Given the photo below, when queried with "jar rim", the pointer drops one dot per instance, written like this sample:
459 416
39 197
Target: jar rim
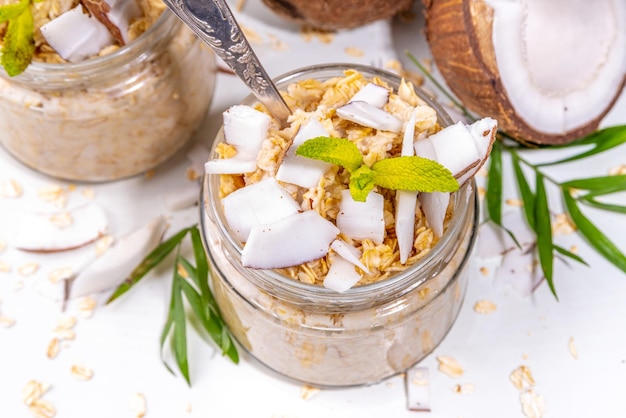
464 199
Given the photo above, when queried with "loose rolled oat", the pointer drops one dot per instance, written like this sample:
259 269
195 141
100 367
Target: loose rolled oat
484 307
448 365
28 269
522 378
81 372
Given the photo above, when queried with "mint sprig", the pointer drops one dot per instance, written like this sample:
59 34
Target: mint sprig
400 173
18 45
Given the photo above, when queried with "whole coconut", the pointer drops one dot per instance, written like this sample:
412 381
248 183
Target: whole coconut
337 14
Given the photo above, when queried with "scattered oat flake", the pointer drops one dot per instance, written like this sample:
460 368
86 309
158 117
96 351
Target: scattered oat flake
525 356
86 306
62 273
3 245
308 33
572 348
4 267
103 243
18 285
482 192
464 389
53 194
53 348
61 219
484 307
277 44
10 188
28 269
484 271
522 378
354 51
81 372
514 202
619 170
562 225
33 391
252 35
138 405
307 392
574 249
450 366
42 409
192 174
188 408
66 322
6 321
89 193
532 404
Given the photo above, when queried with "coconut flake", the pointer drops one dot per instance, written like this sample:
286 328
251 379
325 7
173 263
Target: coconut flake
245 128
114 266
121 13
362 220
435 206
417 384
297 239
373 94
371 116
298 170
260 203
342 275
349 253
230 166
37 232
406 200
75 35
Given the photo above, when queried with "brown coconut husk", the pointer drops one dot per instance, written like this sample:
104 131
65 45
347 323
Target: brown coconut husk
337 14
459 35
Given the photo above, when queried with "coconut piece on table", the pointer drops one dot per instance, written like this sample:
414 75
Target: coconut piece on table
75 35
406 201
298 170
370 116
245 128
373 94
116 264
349 253
260 203
417 384
294 240
362 220
342 275
61 231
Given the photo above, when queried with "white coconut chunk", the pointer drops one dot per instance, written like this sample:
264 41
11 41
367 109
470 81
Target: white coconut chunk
406 200
370 116
115 264
362 220
75 35
373 94
245 128
349 253
39 232
233 165
182 197
434 206
260 203
417 383
298 170
342 275
297 239
122 13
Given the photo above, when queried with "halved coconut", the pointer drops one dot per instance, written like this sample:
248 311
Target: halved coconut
61 231
296 239
362 220
260 203
548 71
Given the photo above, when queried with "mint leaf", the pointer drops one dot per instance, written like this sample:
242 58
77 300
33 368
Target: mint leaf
337 151
361 183
11 11
415 174
19 44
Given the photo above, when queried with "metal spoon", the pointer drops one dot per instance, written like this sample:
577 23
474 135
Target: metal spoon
215 24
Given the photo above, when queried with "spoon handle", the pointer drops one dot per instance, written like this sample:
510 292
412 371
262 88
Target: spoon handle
214 23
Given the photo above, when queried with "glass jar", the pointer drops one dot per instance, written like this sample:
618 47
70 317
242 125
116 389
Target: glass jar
321 337
112 116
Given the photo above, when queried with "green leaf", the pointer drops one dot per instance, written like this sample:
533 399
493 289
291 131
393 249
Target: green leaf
337 151
179 337
165 332
361 183
527 195
11 11
570 254
602 184
18 44
494 185
415 174
543 227
594 236
155 257
590 201
601 140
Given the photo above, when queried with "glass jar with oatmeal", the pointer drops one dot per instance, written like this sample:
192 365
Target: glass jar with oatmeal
367 333
114 115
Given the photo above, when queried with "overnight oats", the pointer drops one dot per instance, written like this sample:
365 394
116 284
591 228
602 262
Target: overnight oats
328 266
102 100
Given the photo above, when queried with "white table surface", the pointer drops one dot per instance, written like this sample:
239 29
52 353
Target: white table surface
119 342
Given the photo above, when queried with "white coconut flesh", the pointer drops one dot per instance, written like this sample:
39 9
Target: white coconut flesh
362 220
341 276
406 200
560 61
373 94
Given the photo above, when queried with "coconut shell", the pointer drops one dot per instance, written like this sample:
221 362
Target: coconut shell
337 14
459 35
